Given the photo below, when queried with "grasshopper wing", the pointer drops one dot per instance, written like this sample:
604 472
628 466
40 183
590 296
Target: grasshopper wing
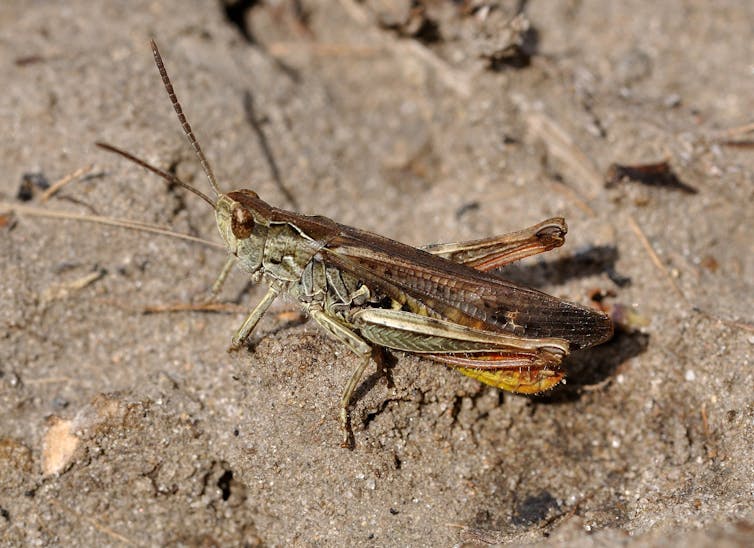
432 285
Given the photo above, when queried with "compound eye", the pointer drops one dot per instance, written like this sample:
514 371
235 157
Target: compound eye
241 222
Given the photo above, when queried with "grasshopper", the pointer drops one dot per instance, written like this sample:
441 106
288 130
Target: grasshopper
370 292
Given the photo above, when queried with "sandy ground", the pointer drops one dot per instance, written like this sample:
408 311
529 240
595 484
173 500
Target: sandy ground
125 428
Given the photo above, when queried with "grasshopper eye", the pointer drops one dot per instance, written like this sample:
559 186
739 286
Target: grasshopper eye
241 222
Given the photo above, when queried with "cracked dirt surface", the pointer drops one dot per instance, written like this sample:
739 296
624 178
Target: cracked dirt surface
125 428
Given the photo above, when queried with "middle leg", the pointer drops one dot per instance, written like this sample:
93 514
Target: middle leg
360 347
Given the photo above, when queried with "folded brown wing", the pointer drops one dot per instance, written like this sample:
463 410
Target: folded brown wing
442 288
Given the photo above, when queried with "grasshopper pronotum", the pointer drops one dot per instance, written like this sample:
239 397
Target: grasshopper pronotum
369 291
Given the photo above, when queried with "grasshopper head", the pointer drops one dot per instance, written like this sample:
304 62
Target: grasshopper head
243 220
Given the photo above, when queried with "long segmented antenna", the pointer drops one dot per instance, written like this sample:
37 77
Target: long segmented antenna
124 223
182 119
169 177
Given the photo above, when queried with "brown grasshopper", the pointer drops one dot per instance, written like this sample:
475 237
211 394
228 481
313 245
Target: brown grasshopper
368 291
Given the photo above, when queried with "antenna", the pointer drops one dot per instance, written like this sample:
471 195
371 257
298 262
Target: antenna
182 119
169 177
110 221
